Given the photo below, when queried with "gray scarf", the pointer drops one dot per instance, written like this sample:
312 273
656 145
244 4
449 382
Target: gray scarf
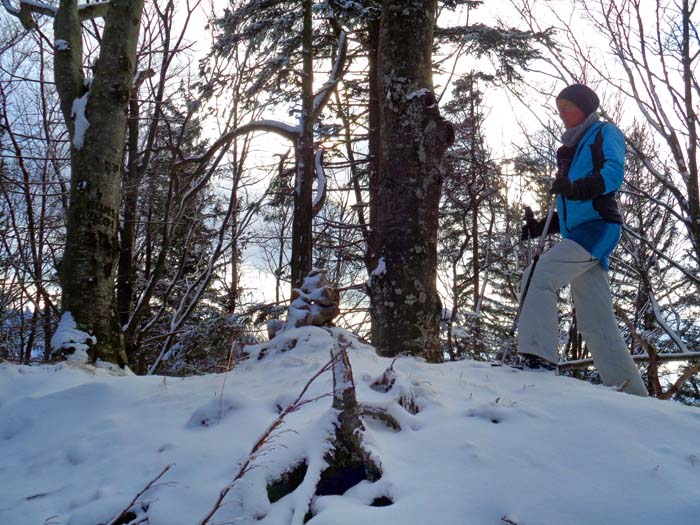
571 136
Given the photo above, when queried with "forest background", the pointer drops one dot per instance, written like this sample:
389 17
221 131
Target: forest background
228 106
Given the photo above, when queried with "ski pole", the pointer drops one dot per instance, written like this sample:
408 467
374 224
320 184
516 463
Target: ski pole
536 257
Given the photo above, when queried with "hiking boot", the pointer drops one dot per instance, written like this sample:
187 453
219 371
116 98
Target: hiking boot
535 362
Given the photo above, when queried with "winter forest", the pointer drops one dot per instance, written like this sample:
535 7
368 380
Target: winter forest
189 187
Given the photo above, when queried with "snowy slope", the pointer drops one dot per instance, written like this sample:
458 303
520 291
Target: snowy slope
489 445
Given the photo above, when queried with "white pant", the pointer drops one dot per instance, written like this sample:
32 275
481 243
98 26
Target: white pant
538 328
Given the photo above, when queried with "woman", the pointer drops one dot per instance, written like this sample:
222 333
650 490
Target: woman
590 172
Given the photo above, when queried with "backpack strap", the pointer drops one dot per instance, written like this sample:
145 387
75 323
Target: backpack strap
597 150
606 205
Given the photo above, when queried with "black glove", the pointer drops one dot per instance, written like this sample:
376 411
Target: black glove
561 185
534 228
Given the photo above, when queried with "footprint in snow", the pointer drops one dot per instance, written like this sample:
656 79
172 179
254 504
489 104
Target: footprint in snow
214 411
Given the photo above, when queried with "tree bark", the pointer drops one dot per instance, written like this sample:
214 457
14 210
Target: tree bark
131 176
301 262
414 137
374 148
87 271
691 124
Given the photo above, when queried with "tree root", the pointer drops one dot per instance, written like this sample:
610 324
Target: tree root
348 462
381 415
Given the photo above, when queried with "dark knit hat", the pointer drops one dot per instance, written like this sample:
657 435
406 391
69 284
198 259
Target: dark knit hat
583 96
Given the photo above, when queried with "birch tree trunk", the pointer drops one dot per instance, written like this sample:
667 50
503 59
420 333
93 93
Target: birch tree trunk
414 137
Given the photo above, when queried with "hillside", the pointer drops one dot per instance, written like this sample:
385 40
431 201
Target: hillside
487 446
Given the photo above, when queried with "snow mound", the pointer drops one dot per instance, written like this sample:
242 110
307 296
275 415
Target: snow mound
467 443
214 411
69 337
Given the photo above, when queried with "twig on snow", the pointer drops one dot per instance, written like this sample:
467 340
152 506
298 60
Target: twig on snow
124 512
624 385
260 443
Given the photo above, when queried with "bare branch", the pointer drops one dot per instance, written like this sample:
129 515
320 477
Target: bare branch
665 358
123 513
28 8
321 98
264 439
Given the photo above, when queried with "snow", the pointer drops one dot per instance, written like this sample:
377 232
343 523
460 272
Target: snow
335 74
68 336
279 127
489 445
378 271
320 179
312 297
89 4
417 93
80 120
61 45
381 267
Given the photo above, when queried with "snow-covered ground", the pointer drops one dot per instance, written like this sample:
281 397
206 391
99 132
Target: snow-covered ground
489 445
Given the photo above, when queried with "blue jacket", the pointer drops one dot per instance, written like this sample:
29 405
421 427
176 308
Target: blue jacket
597 163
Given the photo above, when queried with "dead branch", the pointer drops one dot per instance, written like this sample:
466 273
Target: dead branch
663 358
676 387
260 443
385 382
650 349
131 504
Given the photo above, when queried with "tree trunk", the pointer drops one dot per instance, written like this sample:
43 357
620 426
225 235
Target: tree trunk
414 137
87 270
374 140
233 290
374 146
301 262
691 124
130 188
348 461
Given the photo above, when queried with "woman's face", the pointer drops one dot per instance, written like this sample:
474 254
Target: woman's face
570 114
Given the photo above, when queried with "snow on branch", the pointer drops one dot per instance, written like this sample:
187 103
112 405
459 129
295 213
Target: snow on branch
321 98
8 7
273 126
27 8
670 331
123 516
80 120
247 464
662 358
320 196
91 10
